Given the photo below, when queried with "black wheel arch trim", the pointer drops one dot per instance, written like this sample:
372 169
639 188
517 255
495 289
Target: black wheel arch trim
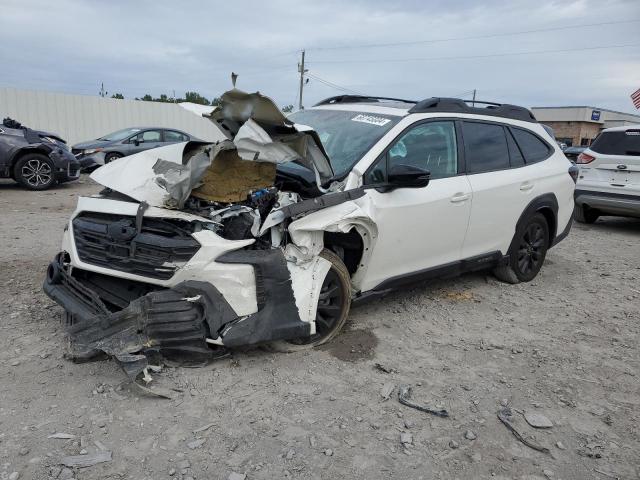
542 203
42 149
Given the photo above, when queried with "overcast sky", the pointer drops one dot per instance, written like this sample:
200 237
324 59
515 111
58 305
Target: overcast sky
159 46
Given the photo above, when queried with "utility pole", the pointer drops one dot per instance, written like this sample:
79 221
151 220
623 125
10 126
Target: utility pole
102 92
302 71
174 96
473 103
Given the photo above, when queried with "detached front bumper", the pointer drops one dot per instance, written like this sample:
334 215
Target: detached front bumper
177 321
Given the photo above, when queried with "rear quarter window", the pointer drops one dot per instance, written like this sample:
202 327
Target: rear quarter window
618 143
532 147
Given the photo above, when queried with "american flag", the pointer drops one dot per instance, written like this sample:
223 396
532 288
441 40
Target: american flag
635 97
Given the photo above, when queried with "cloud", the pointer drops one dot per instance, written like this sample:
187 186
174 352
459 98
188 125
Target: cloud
158 46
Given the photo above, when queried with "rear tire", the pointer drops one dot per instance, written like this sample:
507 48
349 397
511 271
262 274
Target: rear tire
527 251
586 215
333 308
35 171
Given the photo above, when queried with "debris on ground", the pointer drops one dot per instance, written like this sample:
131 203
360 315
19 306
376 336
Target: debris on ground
406 438
470 435
384 369
387 390
196 443
537 420
62 436
506 417
88 460
404 397
236 476
204 427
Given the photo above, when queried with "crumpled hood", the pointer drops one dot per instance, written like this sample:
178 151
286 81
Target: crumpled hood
249 123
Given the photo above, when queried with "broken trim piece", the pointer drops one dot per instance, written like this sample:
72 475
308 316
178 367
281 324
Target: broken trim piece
277 317
404 397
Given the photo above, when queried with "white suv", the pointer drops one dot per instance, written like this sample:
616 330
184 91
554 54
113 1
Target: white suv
609 179
272 233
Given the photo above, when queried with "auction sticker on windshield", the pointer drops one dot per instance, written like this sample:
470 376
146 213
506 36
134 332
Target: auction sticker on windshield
371 119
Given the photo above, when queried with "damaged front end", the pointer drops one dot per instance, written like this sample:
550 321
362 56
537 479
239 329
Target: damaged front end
187 251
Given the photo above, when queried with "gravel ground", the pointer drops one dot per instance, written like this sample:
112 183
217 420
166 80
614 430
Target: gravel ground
564 346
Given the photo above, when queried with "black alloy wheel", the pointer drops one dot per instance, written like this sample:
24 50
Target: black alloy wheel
531 249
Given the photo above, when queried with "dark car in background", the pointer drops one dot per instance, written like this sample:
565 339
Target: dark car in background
128 141
35 159
572 152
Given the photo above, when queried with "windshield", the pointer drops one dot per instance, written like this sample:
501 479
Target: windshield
119 135
346 136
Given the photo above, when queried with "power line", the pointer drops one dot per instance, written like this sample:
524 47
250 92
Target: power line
333 85
474 37
466 57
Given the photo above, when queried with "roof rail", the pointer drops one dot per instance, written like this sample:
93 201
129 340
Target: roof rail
456 105
359 99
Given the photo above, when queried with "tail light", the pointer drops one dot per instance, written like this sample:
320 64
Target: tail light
573 173
584 158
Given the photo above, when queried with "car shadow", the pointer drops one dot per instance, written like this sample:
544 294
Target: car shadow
619 224
8 185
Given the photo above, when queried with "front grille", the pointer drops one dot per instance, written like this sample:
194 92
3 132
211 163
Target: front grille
112 241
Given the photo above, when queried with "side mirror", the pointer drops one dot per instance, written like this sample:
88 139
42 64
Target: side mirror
136 142
407 176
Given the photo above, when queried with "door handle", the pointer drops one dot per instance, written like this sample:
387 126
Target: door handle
526 186
460 197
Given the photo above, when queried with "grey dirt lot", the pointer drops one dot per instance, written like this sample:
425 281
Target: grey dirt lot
564 345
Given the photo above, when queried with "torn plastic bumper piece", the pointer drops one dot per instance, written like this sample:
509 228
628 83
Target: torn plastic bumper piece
176 322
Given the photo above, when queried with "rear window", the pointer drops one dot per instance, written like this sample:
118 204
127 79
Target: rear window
533 149
485 147
618 143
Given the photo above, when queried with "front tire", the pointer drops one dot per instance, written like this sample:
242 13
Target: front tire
35 172
110 157
333 307
527 252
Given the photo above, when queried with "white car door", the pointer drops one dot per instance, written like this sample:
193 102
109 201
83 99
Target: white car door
502 185
418 228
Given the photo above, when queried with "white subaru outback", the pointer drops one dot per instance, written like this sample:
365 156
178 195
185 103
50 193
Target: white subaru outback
270 234
609 178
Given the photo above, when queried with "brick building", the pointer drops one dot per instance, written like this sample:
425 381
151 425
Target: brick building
580 125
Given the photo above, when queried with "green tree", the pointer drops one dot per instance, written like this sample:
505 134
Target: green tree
118 95
287 109
195 97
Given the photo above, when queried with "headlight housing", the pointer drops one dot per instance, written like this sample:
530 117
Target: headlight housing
92 150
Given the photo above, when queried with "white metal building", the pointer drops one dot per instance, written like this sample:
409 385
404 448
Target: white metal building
78 118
